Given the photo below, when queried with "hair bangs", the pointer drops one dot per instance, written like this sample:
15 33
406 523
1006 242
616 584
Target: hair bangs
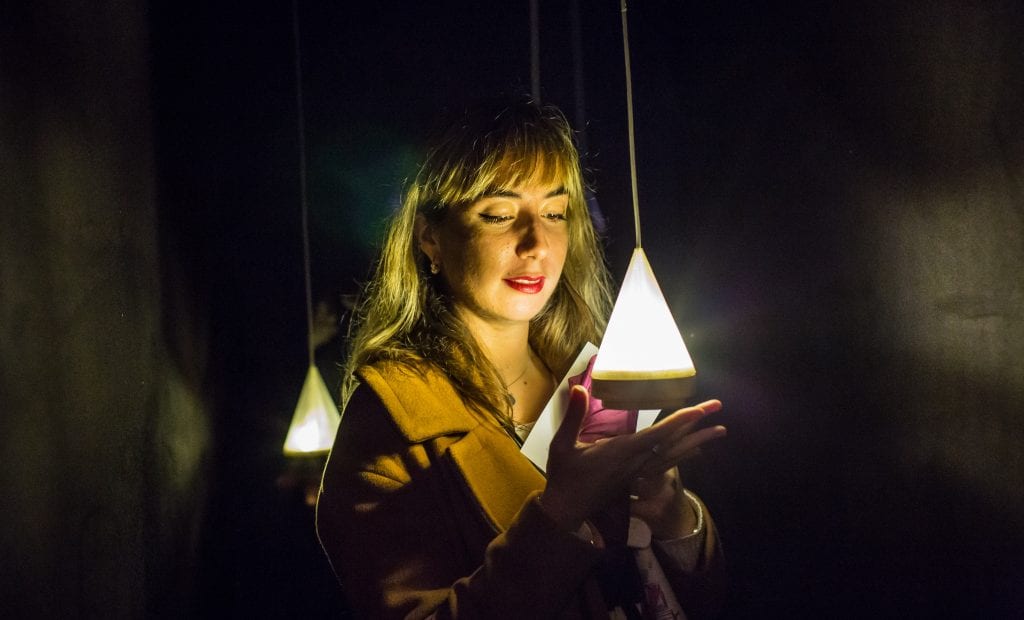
530 164
517 148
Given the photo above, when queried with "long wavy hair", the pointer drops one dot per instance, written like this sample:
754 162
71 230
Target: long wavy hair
406 315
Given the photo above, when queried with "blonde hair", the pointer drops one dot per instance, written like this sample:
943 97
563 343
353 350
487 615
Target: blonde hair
405 315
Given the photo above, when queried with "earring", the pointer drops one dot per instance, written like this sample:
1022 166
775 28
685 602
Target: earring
435 268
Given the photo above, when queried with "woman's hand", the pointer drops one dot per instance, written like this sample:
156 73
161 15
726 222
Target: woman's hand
583 477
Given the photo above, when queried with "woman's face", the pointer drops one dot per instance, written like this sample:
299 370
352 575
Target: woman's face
502 256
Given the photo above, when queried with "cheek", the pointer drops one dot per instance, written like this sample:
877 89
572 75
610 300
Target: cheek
489 257
472 264
561 250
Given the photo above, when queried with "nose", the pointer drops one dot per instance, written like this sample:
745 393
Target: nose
533 239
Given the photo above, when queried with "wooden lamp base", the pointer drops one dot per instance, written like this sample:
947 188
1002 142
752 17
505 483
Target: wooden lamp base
632 394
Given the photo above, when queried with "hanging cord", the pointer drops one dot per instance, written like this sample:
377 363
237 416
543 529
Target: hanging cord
576 38
301 128
535 50
629 124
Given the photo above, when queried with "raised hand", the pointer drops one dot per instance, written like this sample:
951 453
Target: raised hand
584 477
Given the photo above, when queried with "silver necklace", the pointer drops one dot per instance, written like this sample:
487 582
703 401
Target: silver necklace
508 394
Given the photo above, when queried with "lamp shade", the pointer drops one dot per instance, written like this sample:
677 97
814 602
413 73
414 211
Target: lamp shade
315 421
643 362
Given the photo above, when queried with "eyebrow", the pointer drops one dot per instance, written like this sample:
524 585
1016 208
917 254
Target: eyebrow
507 193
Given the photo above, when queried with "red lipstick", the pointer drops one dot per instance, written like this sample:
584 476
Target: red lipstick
526 284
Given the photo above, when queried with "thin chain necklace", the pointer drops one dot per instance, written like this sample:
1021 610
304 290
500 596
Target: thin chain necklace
508 393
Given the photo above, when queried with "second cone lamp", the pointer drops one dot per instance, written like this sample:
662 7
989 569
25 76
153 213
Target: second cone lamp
316 417
643 362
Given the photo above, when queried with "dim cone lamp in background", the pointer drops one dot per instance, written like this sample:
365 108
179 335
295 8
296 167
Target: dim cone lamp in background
316 417
643 362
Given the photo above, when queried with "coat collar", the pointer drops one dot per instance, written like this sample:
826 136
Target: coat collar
419 399
425 406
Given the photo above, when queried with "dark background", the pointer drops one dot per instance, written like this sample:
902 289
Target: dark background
832 198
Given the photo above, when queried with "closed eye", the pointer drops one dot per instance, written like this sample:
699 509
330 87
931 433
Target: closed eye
495 219
558 217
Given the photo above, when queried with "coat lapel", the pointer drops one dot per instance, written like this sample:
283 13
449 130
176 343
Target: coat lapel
425 407
497 474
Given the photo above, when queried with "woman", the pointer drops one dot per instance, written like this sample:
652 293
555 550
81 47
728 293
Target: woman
489 283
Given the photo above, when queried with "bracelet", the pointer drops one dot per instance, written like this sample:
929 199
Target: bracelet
695 503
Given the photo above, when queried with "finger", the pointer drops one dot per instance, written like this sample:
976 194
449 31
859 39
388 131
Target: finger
679 422
658 444
665 443
683 420
710 406
699 411
671 454
681 444
569 430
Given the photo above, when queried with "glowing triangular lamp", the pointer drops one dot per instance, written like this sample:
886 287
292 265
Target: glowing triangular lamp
316 418
315 421
643 362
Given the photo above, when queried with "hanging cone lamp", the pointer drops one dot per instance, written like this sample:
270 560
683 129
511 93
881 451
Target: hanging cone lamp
643 362
316 417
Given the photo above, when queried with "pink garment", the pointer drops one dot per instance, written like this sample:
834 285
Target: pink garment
600 422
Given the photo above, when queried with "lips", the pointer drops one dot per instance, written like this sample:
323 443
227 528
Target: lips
526 284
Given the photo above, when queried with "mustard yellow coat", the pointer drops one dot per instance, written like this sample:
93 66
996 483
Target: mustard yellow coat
428 509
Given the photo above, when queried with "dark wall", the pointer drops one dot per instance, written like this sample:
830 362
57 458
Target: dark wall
104 429
859 256
831 198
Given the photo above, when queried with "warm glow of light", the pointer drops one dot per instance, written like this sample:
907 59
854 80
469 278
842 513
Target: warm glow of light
316 418
642 343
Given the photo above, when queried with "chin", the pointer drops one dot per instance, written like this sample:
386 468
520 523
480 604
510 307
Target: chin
527 313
